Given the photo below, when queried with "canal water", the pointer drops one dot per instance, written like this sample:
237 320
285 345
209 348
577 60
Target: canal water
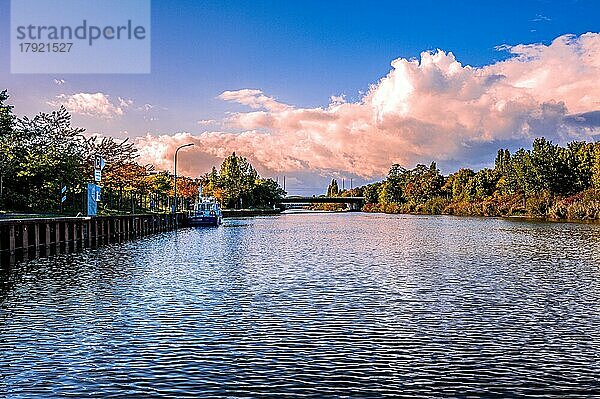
312 305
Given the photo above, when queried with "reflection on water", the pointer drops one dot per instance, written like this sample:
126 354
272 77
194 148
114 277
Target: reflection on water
312 305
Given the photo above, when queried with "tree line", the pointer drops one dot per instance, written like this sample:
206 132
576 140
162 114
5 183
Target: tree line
238 185
41 155
547 180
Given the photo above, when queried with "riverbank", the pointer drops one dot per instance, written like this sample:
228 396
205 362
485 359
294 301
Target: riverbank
33 237
584 206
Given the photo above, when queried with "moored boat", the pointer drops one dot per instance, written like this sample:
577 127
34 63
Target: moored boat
206 212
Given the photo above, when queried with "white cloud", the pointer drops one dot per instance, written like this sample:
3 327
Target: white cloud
146 107
124 102
337 99
89 104
541 18
254 99
207 122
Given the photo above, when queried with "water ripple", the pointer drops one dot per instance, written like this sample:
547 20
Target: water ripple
312 305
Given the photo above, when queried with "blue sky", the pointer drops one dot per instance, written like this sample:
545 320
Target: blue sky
298 52
302 52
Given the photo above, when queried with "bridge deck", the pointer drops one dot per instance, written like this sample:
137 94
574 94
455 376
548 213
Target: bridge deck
322 200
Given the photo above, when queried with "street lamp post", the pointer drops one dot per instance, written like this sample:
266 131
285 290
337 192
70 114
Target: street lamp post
175 180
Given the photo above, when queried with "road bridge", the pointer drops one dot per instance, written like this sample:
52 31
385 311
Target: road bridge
353 203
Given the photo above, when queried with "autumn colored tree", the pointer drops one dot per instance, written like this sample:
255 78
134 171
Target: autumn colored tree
160 183
128 176
423 183
187 188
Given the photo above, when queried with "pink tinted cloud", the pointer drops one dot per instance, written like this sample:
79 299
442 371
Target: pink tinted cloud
428 109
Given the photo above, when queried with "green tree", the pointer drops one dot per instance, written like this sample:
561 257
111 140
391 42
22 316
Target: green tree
483 184
502 161
237 184
392 189
390 192
521 177
596 167
266 192
8 141
415 186
458 184
237 178
111 150
6 115
580 157
160 183
550 167
371 192
423 183
51 154
333 189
